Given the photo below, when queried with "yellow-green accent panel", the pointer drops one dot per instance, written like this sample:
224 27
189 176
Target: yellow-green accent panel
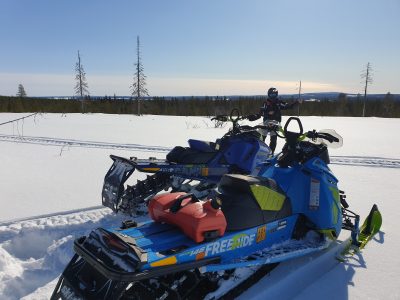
329 233
335 193
267 198
335 214
336 196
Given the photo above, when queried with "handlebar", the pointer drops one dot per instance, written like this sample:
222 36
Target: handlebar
235 116
322 135
221 118
232 115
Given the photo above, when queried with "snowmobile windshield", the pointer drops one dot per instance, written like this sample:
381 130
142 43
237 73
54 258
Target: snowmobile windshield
325 137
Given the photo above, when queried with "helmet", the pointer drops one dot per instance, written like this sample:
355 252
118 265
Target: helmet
273 94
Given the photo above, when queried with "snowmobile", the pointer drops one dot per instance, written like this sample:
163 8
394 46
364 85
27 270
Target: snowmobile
197 168
292 208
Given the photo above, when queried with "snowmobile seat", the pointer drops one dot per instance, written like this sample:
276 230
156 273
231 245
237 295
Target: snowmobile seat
197 219
185 155
249 201
202 146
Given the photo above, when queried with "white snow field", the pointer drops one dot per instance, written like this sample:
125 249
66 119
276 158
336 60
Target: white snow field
53 166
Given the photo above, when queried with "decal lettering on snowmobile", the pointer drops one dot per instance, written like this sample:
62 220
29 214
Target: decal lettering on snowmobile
261 233
238 241
314 194
281 225
275 226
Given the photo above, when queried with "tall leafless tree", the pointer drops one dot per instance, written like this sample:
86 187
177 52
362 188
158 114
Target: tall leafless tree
367 75
138 86
21 91
81 86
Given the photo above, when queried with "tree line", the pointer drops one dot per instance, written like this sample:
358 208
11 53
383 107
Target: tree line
387 107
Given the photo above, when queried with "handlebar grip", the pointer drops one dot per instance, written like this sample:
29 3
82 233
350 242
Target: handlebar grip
323 135
329 137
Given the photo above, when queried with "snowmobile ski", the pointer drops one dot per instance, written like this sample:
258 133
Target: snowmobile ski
360 237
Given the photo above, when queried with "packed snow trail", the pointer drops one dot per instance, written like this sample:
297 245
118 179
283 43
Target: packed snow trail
77 143
366 161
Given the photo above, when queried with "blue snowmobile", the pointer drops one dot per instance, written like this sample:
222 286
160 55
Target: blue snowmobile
240 151
293 207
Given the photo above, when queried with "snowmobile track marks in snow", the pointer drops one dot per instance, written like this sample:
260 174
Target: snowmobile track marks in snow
47 141
364 161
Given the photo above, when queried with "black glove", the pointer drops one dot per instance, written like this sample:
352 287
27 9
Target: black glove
252 117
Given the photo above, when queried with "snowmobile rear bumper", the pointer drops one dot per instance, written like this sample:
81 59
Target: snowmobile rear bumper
115 274
89 277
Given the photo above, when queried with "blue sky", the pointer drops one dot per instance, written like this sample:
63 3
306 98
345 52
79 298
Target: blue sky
207 47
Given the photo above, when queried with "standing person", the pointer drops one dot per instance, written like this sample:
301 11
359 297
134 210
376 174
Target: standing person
271 113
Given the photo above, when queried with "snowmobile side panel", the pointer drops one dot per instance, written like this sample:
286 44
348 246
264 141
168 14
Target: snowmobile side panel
246 153
287 251
315 189
233 244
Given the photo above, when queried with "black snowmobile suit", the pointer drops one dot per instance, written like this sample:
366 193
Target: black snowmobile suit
272 112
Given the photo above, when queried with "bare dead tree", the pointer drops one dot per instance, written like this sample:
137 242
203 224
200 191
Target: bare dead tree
81 86
21 91
367 75
138 86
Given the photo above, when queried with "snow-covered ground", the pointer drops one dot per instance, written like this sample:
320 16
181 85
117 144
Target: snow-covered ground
53 167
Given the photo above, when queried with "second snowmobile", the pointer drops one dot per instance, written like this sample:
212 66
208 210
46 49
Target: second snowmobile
293 208
240 151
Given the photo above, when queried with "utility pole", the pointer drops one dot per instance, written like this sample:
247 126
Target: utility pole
368 79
